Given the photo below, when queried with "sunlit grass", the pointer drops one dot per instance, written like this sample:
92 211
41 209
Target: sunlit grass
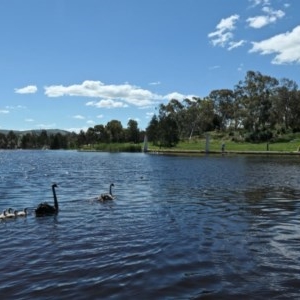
288 143
215 144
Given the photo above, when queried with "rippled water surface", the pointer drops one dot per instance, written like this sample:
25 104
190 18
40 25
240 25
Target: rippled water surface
208 227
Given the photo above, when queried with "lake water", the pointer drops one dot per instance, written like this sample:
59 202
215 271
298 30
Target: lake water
207 227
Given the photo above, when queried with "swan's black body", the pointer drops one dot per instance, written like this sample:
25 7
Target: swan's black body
45 209
108 196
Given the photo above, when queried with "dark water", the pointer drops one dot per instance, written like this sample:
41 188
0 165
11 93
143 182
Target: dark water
208 227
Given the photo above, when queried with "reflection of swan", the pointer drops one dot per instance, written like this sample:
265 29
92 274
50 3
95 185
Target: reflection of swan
108 196
22 213
45 209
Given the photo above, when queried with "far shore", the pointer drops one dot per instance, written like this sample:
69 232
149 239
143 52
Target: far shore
203 152
233 152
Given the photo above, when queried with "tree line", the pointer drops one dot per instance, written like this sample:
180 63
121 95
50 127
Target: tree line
259 108
112 132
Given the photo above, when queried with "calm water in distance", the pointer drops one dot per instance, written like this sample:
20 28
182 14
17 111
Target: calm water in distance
207 227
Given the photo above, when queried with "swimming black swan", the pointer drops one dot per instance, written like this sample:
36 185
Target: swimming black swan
108 196
45 209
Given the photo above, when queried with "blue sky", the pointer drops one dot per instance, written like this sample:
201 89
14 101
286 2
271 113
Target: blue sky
73 64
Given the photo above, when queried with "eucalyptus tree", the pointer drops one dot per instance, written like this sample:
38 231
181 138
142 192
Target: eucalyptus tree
91 136
294 118
174 110
58 141
286 104
224 106
168 130
101 133
167 127
153 130
12 140
133 132
115 131
28 141
3 141
255 94
207 115
72 140
81 139
43 139
192 116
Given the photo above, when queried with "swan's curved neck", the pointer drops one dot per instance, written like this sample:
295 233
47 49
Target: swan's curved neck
55 198
110 189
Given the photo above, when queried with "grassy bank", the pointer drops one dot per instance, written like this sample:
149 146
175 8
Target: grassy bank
288 143
232 146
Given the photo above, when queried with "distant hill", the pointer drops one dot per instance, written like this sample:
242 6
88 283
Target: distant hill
38 131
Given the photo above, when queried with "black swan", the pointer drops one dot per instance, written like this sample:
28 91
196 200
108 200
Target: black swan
45 209
108 196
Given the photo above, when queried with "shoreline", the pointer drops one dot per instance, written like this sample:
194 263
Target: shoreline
203 152
233 152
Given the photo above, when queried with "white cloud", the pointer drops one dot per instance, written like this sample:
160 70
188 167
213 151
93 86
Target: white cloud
108 103
99 116
96 89
286 46
259 2
29 120
16 107
30 89
271 16
228 23
76 129
90 122
112 96
178 96
258 21
135 119
149 115
79 117
233 45
4 111
223 35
